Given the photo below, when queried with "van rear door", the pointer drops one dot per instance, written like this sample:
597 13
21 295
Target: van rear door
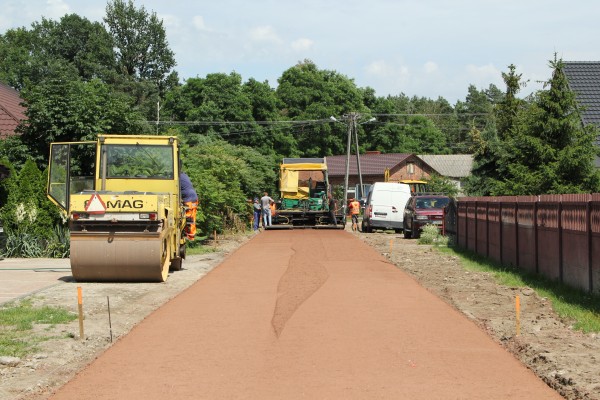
383 209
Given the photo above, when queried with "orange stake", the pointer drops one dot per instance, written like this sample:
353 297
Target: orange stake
518 310
80 307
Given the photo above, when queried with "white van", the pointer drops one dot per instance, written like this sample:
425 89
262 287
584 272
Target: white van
384 208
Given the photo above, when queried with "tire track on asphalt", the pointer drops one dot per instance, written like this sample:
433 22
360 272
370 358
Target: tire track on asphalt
303 277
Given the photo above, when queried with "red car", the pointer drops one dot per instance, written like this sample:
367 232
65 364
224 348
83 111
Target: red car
421 210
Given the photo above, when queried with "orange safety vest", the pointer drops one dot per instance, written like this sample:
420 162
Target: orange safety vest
355 207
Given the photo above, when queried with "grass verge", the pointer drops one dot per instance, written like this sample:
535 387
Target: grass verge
16 325
579 308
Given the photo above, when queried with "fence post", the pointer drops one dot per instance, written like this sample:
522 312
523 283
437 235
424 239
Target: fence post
517 249
476 226
501 229
535 236
487 228
588 223
466 225
560 241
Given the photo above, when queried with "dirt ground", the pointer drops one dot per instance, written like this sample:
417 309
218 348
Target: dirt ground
565 359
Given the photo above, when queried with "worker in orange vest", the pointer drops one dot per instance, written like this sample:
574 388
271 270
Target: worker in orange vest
354 210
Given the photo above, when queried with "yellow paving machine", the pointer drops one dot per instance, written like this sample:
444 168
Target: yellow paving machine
304 190
121 196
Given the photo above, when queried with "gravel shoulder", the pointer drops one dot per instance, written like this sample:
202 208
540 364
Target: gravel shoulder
567 360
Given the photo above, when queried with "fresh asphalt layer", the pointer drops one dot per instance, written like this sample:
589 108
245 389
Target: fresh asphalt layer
306 314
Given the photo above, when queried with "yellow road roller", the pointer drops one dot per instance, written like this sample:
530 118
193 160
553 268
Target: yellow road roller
122 199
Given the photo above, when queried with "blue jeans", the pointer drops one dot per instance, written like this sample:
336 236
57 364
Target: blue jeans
266 217
256 219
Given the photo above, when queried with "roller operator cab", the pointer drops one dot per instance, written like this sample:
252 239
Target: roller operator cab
121 196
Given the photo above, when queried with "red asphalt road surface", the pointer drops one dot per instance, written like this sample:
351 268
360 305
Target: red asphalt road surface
306 314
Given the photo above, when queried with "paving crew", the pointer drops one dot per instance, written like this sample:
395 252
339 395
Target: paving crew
354 211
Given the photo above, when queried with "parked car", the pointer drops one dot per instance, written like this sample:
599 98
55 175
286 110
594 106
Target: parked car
385 206
421 210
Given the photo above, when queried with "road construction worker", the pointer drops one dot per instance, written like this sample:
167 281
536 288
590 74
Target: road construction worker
189 198
354 211
332 209
265 203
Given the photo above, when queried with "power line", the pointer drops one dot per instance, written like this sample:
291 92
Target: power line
433 115
219 123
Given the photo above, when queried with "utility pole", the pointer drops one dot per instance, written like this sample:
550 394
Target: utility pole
157 115
352 119
348 145
362 188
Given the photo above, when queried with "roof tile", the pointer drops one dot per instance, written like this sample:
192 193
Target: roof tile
11 110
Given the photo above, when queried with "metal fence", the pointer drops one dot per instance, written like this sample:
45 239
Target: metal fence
557 236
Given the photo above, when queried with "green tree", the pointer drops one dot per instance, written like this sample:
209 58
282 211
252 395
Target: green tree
312 95
441 184
61 110
474 112
225 176
216 105
73 45
509 106
488 147
408 134
141 47
550 151
85 45
273 137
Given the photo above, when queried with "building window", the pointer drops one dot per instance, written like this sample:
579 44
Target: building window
410 168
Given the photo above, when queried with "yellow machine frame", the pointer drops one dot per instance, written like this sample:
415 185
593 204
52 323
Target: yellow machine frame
124 227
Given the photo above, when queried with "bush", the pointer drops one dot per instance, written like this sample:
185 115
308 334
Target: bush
431 235
24 244
32 224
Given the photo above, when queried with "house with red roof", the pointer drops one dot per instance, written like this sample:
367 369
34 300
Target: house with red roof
373 165
11 111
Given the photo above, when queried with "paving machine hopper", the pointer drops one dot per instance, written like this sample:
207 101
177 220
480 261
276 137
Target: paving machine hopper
121 196
304 190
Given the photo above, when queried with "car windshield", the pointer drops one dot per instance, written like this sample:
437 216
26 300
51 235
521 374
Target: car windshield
432 202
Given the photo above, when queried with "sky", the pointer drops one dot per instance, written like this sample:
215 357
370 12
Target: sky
426 48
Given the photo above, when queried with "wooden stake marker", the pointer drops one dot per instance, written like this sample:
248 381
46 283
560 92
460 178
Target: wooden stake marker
518 311
80 307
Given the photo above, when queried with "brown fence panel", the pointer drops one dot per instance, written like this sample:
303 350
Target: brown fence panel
557 236
549 253
494 230
450 218
527 254
471 226
595 243
481 244
461 212
575 240
509 231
